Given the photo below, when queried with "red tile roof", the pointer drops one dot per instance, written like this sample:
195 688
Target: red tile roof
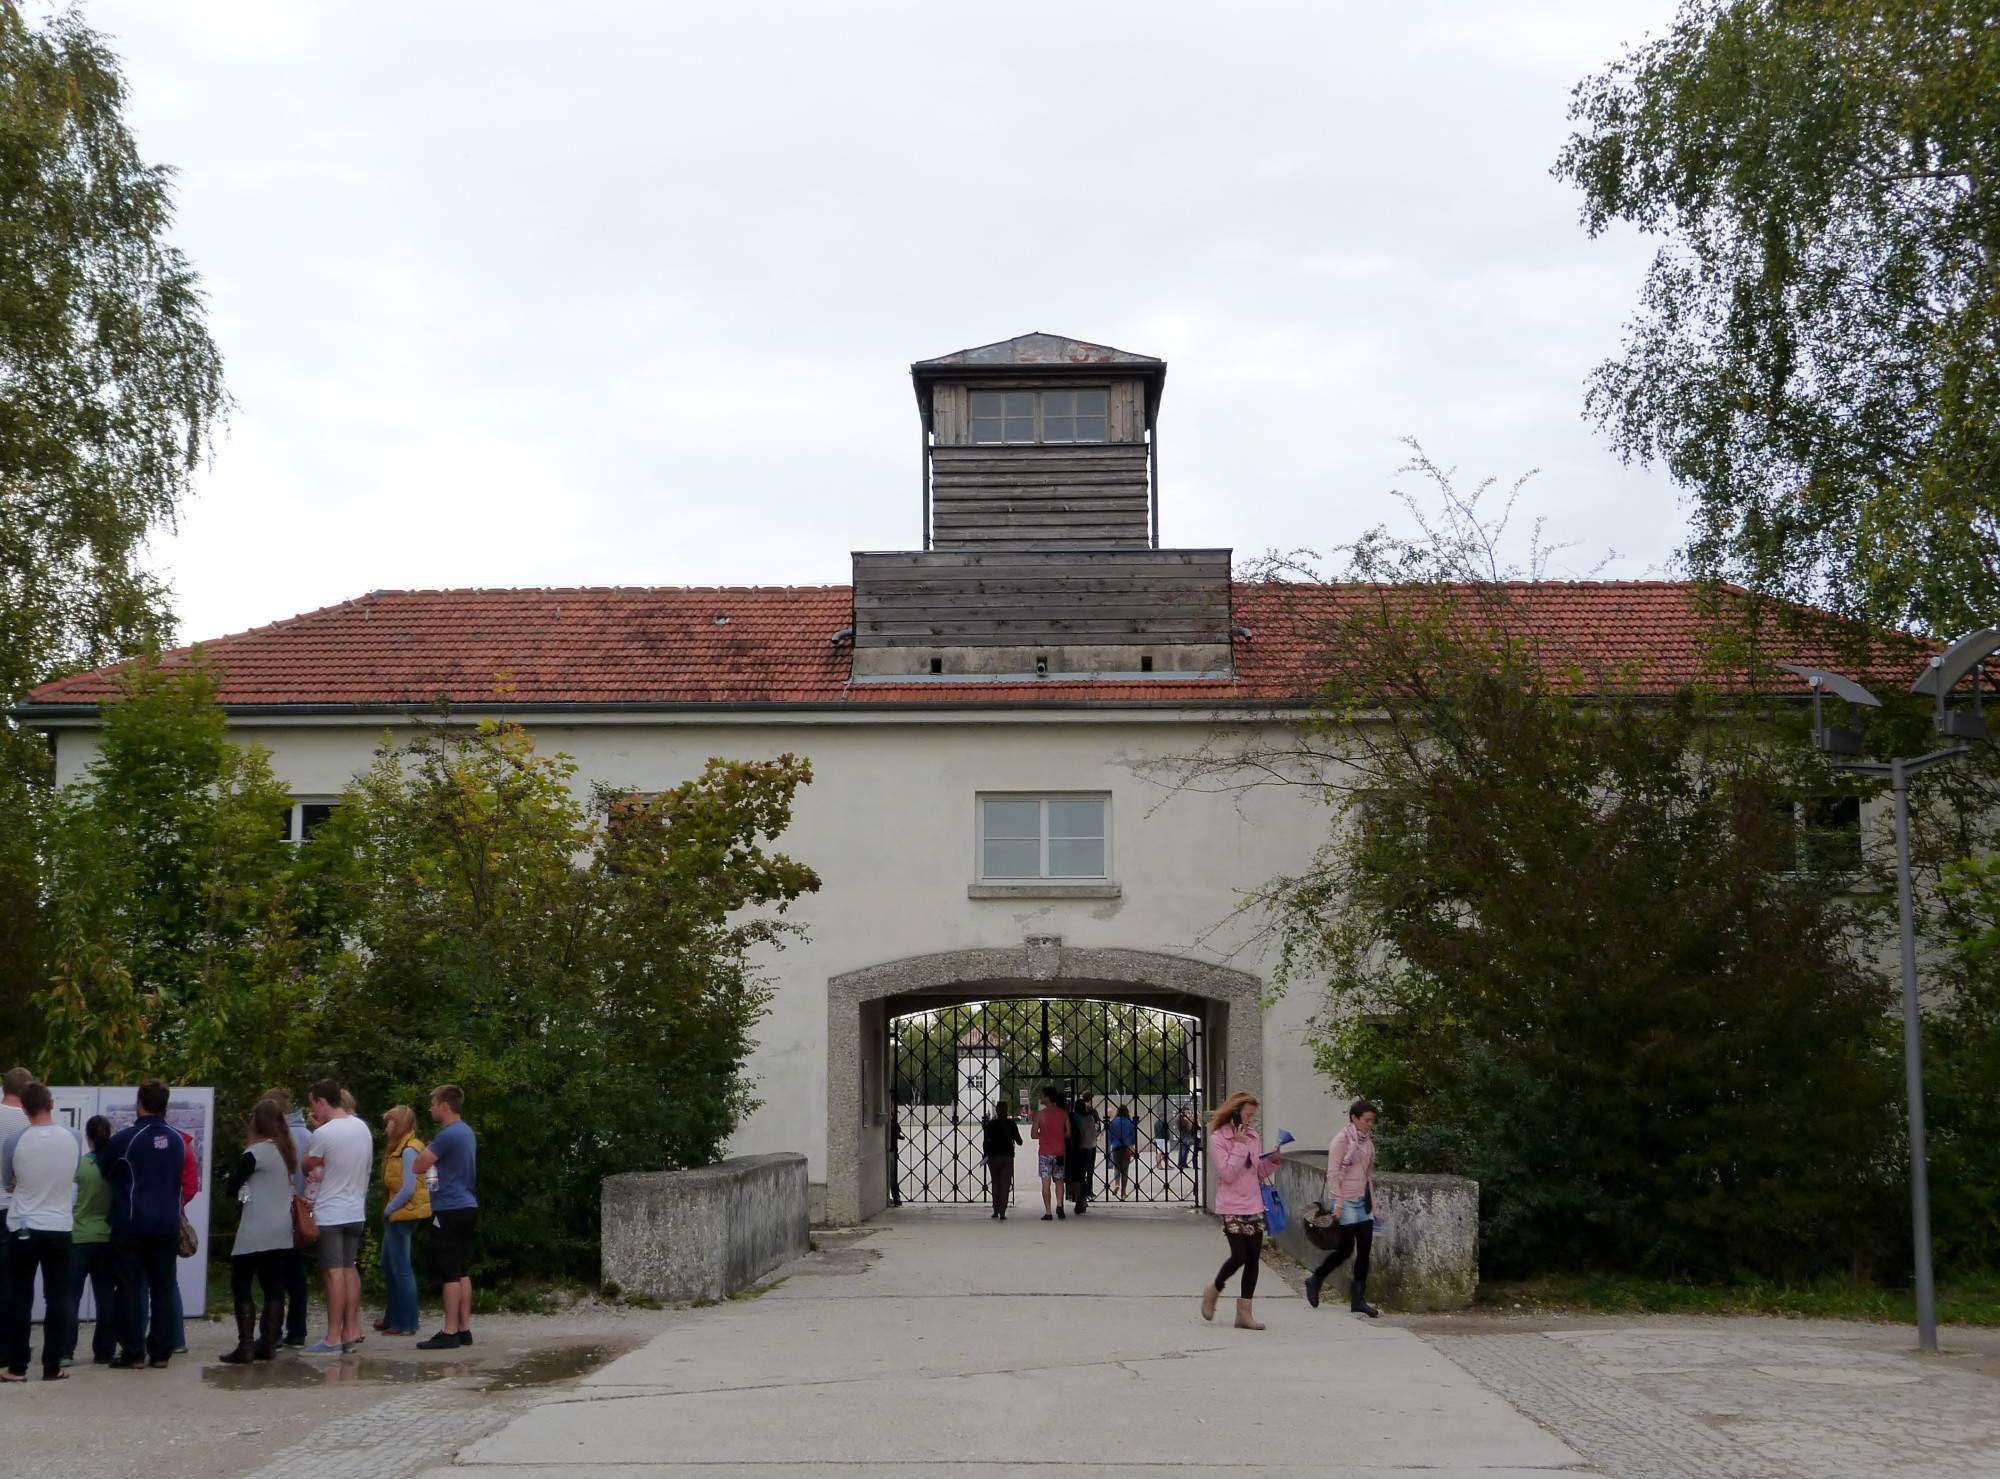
770 645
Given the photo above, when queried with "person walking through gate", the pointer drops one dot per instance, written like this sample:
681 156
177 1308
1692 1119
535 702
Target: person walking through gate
262 1182
1051 1144
895 1138
1350 1192
1240 1169
1082 1165
1184 1133
1002 1135
1161 1135
1124 1138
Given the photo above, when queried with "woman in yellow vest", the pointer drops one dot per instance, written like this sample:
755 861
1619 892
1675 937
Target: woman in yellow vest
406 1202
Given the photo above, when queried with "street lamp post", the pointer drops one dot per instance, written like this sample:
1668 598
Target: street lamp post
1945 672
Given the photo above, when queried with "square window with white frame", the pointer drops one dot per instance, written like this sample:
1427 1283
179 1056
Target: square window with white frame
1022 838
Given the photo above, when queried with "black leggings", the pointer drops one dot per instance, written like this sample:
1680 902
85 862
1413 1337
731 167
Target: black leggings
267 1267
1359 1240
1243 1253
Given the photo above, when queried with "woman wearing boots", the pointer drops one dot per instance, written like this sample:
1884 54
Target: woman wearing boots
262 1182
1350 1191
1241 1167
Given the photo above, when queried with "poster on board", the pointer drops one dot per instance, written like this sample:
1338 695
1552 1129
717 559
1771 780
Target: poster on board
192 1112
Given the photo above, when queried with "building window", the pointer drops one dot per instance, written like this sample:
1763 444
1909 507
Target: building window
1002 416
303 818
1023 837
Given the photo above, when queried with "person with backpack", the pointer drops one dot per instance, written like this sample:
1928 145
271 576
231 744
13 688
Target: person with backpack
1241 1168
1052 1134
1085 1127
1350 1194
1001 1136
1123 1135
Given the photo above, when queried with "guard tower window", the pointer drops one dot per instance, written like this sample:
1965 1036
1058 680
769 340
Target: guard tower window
1042 836
1006 416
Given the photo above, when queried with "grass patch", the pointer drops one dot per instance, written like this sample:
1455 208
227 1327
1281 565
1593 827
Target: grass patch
1974 1301
759 1291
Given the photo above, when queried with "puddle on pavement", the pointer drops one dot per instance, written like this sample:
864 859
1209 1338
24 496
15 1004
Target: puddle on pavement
505 1371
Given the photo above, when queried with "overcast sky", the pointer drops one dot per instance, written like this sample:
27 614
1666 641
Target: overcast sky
532 294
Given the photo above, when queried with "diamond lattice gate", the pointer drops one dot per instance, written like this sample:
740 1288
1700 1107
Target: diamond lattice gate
951 1063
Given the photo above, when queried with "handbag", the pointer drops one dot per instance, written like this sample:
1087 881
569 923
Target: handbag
1275 1218
1323 1227
190 1244
305 1230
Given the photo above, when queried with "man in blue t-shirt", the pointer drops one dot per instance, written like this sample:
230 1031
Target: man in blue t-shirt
454 1154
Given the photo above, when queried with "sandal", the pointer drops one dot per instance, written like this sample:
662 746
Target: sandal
10 1376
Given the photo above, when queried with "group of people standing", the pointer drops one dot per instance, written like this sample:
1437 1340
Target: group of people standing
303 1183
1242 1168
105 1210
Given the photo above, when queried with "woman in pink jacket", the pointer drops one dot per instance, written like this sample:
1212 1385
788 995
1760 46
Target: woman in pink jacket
1350 1193
1240 1170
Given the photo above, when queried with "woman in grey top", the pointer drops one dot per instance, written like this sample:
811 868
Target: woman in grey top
262 1182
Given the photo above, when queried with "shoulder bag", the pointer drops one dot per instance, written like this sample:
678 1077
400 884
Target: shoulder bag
190 1244
305 1231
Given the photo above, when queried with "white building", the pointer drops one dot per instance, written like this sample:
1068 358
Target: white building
979 716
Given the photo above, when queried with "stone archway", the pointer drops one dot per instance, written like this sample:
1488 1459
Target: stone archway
858 1006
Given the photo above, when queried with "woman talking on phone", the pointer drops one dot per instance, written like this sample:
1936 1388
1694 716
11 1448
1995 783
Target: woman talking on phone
1240 1170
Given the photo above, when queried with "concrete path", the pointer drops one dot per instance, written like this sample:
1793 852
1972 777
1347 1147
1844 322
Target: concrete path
948 1342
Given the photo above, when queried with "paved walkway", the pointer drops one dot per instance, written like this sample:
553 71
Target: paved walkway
948 1343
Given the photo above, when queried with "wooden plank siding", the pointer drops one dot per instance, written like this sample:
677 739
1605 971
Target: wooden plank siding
1010 598
1086 495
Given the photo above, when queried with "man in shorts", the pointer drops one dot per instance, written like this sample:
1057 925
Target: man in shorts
340 1159
454 1152
1051 1144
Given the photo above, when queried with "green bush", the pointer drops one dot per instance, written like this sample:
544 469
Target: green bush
579 967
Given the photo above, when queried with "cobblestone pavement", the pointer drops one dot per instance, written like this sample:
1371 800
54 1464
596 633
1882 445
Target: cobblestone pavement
394 1438
1750 1399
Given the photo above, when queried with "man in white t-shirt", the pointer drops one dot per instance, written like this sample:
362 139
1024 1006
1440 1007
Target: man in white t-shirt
339 1159
38 1166
13 1120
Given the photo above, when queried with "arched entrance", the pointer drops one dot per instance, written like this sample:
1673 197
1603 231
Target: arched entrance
861 1003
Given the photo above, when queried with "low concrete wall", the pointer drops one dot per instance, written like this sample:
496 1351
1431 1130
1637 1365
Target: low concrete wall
705 1233
1426 1253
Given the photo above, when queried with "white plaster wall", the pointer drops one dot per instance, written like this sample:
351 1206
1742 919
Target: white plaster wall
888 823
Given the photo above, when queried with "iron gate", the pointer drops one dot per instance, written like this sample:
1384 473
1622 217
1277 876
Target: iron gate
949 1064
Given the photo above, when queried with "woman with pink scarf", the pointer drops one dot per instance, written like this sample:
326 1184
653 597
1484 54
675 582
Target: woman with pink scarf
1240 1170
1350 1192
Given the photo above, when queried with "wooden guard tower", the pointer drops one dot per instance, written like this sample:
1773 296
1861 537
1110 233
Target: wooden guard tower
1041 555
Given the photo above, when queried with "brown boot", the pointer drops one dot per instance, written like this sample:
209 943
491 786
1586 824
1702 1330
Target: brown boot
270 1329
1244 1319
246 1333
1209 1295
